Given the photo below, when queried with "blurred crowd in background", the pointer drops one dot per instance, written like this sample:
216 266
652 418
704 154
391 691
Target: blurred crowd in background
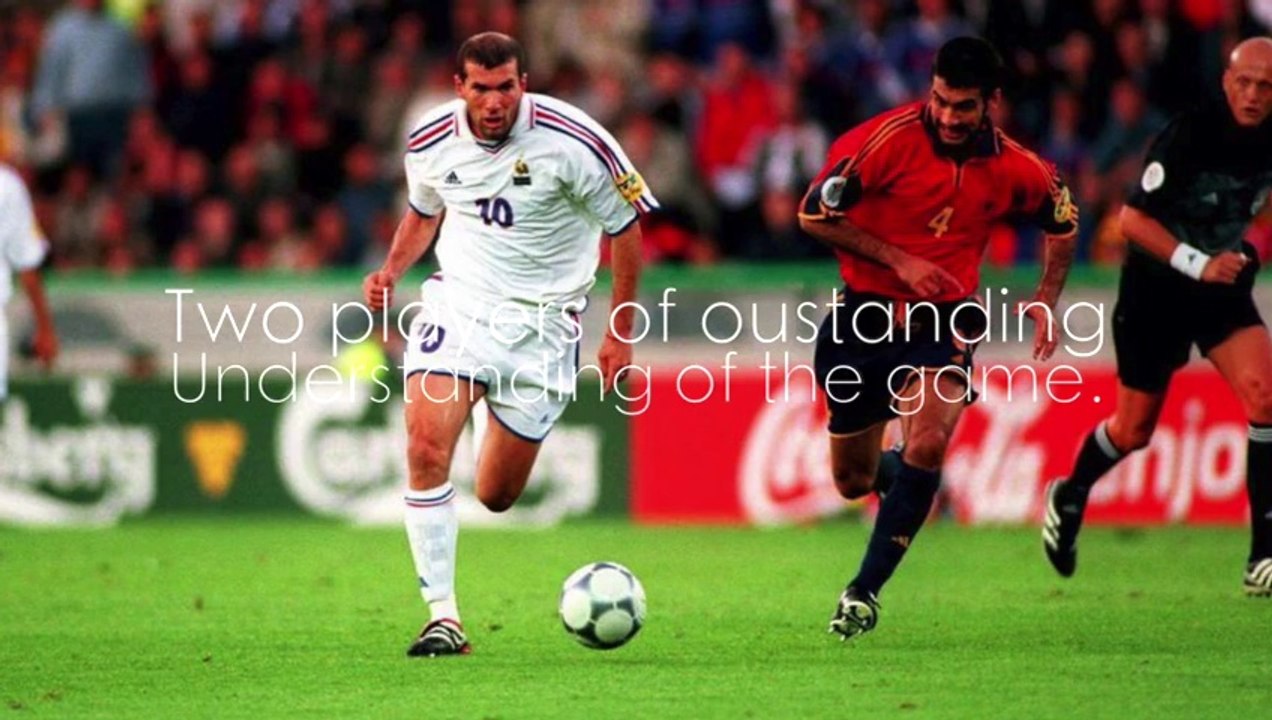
269 134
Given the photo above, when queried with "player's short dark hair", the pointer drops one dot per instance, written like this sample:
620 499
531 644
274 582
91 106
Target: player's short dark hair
969 62
490 50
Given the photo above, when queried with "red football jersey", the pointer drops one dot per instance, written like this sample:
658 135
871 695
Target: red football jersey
900 187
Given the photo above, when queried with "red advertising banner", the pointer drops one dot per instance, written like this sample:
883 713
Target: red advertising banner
732 457
744 451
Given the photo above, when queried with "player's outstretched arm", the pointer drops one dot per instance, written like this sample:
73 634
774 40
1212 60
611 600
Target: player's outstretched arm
1150 235
414 235
45 341
625 261
925 278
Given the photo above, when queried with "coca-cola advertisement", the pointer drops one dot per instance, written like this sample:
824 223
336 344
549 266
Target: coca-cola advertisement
754 449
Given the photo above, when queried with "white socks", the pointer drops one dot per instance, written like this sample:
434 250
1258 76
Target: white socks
432 530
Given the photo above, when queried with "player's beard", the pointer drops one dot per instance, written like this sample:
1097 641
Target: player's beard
960 133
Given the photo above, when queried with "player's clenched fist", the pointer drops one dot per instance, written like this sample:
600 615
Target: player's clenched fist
926 278
377 290
1224 268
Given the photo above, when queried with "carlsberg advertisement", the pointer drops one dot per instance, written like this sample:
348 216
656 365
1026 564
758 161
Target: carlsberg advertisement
95 451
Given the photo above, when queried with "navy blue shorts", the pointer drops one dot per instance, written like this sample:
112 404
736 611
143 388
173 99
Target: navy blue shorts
855 406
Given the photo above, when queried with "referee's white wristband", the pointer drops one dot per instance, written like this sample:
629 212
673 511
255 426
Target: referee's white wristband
1189 260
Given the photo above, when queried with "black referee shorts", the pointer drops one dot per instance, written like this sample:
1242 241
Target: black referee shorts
1160 314
855 406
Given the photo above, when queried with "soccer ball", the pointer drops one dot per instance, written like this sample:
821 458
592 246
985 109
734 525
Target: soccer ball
602 605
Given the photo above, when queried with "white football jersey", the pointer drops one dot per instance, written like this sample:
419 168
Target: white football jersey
523 217
22 246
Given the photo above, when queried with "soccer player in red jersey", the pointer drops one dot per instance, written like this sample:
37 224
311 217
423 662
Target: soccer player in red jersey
907 200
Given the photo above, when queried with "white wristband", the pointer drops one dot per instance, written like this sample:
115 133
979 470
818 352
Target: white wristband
1189 260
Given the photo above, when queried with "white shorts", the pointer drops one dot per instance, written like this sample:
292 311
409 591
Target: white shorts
525 357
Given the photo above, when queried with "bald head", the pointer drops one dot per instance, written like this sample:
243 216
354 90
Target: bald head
1255 51
1247 82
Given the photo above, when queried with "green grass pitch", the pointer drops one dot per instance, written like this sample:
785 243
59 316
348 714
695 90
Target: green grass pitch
268 618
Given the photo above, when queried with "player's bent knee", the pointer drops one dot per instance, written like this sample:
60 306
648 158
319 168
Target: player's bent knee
853 484
496 501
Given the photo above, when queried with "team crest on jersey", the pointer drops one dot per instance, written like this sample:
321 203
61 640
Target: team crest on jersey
832 191
1154 177
521 173
1065 210
631 186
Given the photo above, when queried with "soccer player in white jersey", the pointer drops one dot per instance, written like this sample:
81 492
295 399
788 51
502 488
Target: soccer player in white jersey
522 187
22 249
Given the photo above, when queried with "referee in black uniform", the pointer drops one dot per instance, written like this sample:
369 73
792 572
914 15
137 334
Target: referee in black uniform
1188 280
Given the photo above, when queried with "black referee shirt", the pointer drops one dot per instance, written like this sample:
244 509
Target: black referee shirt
1205 177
